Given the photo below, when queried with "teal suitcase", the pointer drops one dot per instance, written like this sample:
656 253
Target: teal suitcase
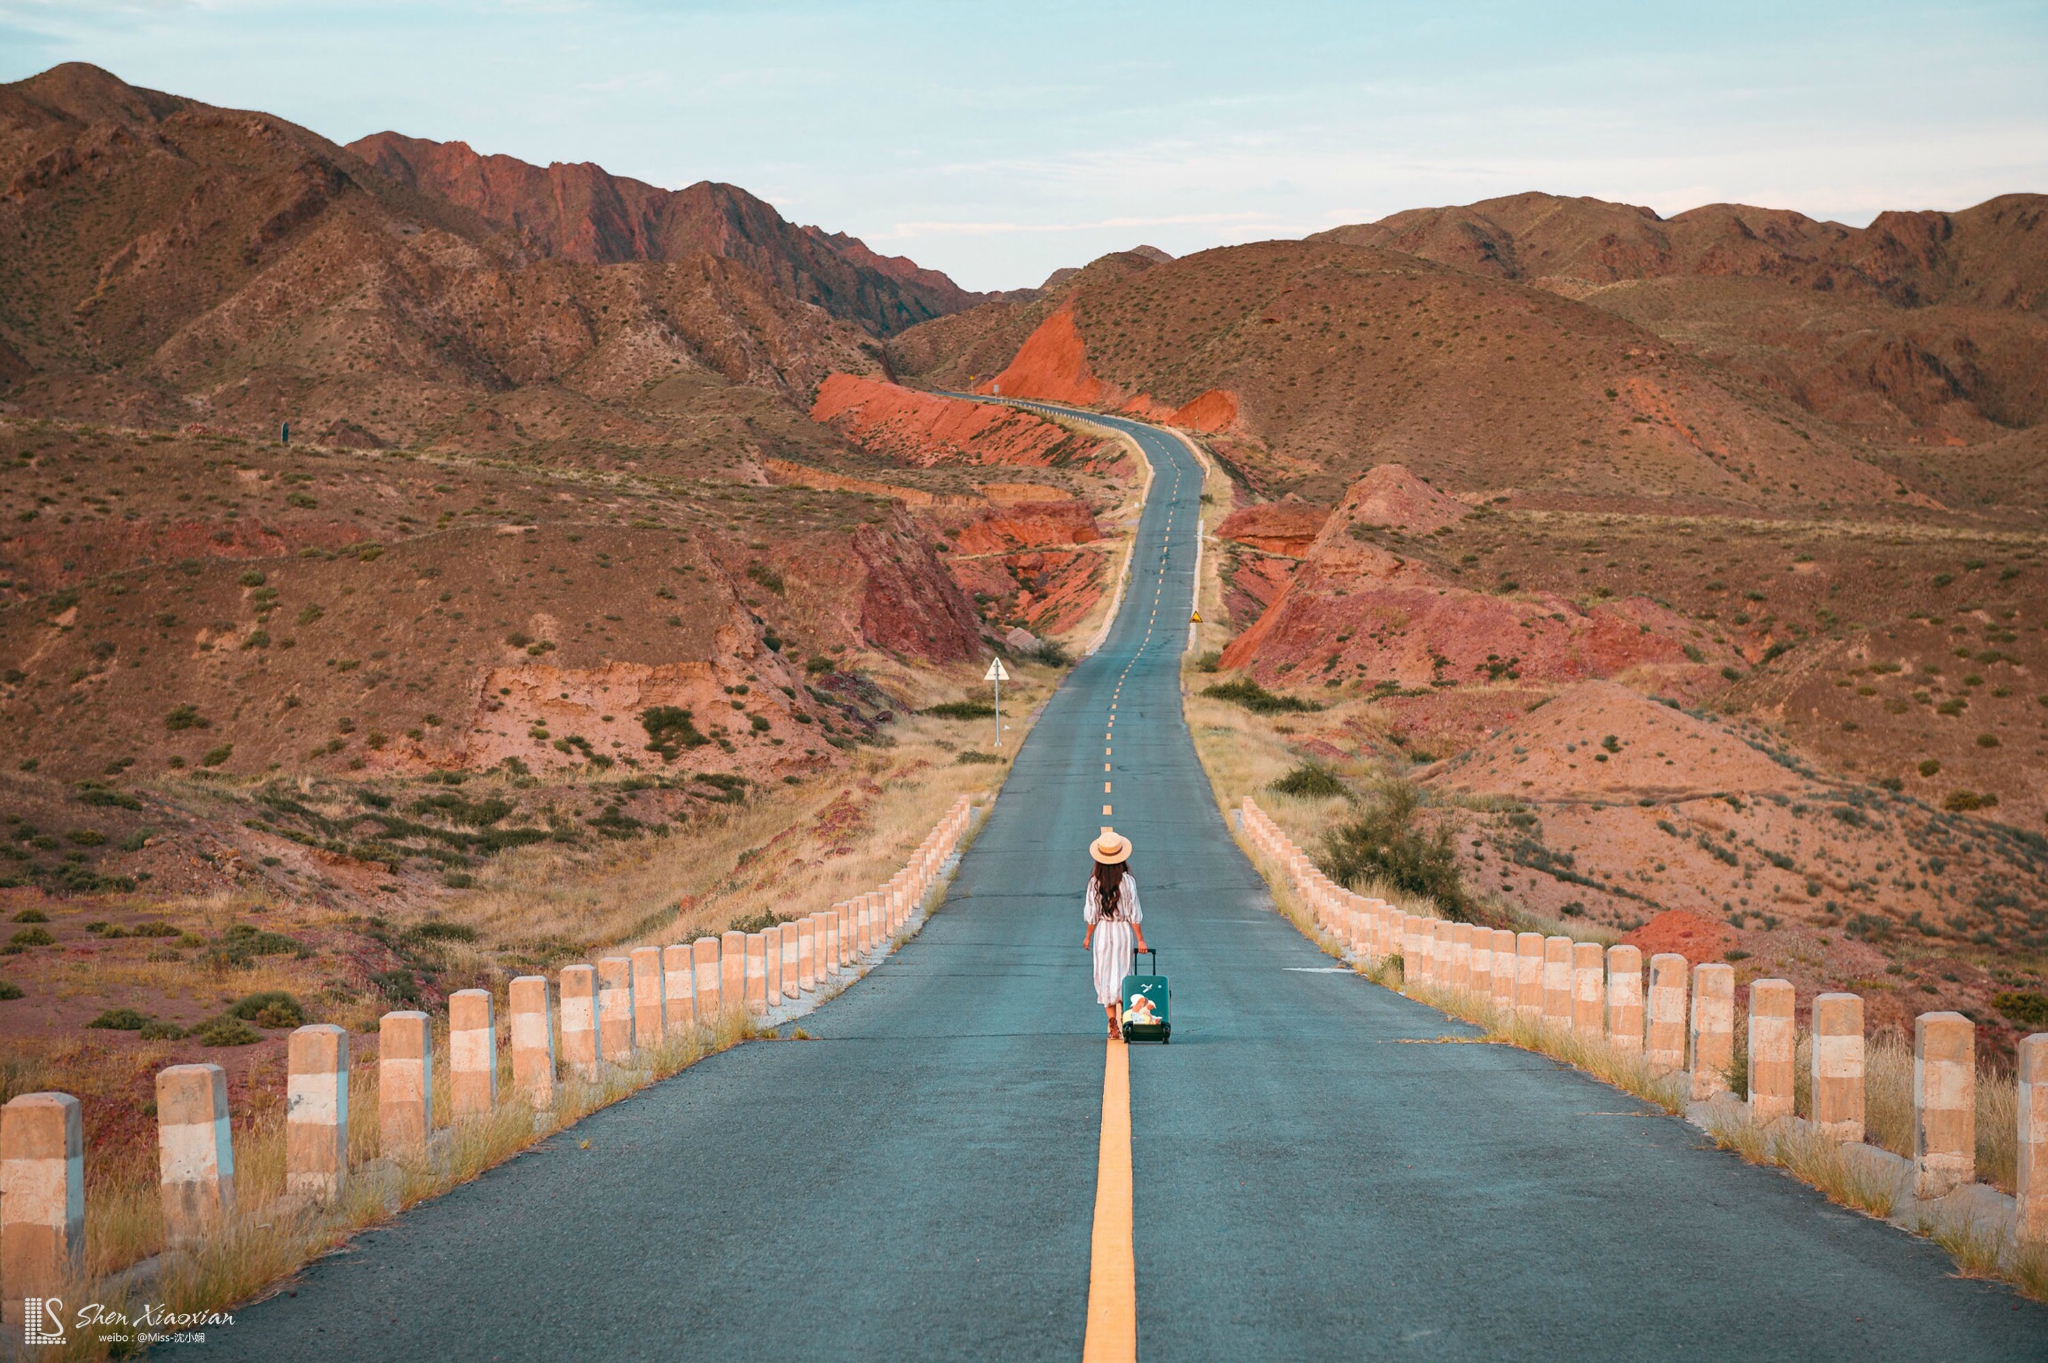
1147 1005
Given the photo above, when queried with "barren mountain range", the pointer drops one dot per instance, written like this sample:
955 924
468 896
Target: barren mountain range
559 437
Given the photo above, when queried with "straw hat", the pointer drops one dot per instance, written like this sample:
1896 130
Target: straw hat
1112 847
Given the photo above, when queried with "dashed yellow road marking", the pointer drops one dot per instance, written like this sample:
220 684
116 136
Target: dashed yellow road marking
1112 1264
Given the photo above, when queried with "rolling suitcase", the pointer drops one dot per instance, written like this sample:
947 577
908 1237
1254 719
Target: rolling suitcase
1146 1006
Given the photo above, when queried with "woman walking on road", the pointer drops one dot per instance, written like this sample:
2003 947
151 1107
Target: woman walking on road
1110 909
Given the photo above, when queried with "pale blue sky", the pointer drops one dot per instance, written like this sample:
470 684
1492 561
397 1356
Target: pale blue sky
997 142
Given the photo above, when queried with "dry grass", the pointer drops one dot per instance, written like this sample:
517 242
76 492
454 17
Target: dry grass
788 856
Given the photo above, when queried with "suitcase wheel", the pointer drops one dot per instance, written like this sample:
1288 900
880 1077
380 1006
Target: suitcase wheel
1165 1034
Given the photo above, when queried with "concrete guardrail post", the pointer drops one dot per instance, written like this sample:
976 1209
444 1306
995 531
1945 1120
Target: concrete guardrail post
1589 990
732 970
678 990
405 1083
1557 982
650 997
533 1041
1837 1066
1713 1028
615 1009
792 960
1503 972
704 1001
316 1112
1944 1103
2032 1184
757 973
1770 1049
42 1201
195 1152
1664 1040
1440 952
1625 998
1529 976
807 954
771 964
1482 963
472 1054
1461 955
1416 946
579 1019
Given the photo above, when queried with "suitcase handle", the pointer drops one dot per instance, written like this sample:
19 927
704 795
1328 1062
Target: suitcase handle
1153 952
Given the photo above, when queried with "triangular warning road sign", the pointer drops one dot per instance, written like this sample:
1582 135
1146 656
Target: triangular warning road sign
995 671
1195 619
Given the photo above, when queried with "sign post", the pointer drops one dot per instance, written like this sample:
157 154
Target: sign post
997 675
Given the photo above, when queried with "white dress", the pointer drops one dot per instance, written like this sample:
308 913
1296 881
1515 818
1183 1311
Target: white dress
1114 943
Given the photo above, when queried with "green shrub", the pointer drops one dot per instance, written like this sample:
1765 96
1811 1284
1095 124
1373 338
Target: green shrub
1930 767
225 1030
244 942
971 758
2026 1010
766 576
961 709
399 986
10 990
215 756
184 717
155 1030
31 916
439 930
670 731
156 928
1386 845
817 663
30 937
1310 780
120 1020
1212 661
270 1008
1258 699
86 837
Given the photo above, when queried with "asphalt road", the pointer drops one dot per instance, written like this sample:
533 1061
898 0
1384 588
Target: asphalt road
918 1182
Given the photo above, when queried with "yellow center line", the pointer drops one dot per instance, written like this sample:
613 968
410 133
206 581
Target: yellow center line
1112 1267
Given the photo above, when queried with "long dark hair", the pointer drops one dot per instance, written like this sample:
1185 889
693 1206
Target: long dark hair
1109 884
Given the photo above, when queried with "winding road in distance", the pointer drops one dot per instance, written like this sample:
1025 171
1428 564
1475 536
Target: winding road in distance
919 1182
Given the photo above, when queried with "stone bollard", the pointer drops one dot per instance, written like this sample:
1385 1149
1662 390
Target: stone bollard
1461 955
1664 1038
1440 953
42 1199
650 997
704 1002
1503 971
1625 998
1416 945
1589 990
579 1019
533 1041
807 954
1557 982
732 971
1713 1028
472 1054
1529 976
1837 1066
771 965
1944 1103
678 990
757 973
615 1009
825 952
316 1112
2032 1185
792 960
195 1152
405 1084
1770 1050
1481 984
